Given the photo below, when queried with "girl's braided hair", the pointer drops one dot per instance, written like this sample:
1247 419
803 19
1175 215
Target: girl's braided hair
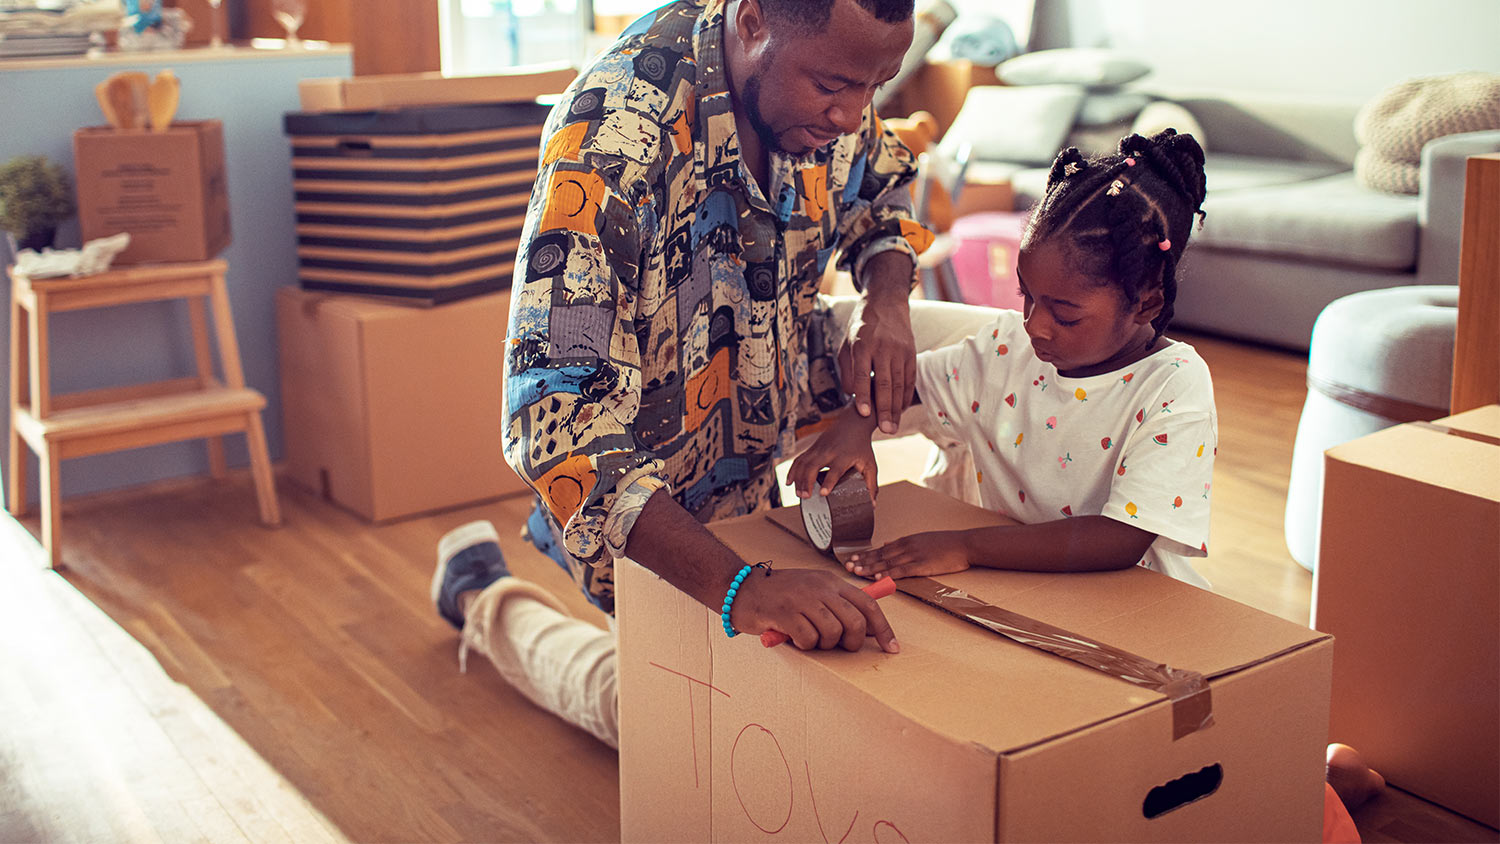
1126 216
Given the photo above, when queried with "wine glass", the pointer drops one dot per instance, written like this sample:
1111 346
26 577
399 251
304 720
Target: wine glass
290 14
217 40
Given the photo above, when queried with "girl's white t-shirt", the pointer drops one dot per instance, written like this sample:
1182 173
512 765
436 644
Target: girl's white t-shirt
1136 445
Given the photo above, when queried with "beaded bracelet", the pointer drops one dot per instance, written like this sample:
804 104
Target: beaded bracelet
734 589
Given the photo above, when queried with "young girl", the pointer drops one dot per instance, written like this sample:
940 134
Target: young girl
1085 423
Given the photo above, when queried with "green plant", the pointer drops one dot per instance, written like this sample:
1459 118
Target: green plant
35 195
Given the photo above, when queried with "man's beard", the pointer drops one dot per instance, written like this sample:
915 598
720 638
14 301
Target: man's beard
768 137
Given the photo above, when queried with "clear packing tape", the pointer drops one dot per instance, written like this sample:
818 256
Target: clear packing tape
844 523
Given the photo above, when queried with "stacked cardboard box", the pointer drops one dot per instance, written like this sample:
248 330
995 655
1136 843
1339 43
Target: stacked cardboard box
965 735
392 410
425 204
1408 581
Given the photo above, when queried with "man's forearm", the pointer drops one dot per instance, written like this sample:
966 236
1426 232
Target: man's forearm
888 277
1086 543
667 540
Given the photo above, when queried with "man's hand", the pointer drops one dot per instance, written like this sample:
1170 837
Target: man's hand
816 609
918 555
880 342
846 444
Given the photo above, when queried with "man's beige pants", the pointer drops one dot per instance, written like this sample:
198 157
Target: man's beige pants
566 665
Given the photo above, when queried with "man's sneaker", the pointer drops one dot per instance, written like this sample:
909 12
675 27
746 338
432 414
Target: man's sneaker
468 558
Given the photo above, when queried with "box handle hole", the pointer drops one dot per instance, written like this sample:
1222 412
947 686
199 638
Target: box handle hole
1182 791
353 146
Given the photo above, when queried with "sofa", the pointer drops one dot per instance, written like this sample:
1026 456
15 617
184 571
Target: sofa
1289 229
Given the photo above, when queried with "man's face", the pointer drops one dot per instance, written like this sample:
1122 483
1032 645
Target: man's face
807 88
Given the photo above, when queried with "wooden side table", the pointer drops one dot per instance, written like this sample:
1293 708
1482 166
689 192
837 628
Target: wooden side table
57 427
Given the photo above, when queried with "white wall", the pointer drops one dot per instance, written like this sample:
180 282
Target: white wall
1326 49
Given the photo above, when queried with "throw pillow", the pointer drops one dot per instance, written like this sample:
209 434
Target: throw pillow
1094 66
1098 141
1025 125
1105 108
1401 119
1163 114
1377 172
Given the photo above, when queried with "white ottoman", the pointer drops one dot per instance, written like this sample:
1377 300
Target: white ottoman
1379 358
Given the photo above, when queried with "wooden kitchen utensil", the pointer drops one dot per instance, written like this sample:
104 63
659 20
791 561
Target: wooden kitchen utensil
125 95
162 100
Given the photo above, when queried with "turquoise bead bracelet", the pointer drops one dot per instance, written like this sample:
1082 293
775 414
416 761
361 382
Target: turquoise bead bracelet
734 589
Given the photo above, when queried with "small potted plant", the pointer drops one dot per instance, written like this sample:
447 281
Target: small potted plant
35 196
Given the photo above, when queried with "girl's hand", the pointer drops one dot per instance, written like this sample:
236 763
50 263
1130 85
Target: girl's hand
918 555
845 445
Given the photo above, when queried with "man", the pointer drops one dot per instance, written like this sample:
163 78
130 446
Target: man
666 337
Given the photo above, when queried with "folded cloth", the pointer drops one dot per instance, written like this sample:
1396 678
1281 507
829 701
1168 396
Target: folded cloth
94 257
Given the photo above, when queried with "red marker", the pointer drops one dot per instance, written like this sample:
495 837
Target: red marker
877 590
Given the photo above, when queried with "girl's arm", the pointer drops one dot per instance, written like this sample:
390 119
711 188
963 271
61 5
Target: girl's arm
1085 543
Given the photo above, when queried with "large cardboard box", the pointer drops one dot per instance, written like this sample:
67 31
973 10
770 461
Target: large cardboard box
399 90
1408 580
966 735
391 410
167 189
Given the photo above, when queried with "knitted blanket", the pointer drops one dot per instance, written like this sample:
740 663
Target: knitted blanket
1393 127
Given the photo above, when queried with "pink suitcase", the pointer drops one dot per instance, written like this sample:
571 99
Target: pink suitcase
984 257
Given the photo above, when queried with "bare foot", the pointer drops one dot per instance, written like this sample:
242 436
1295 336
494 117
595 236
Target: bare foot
1350 777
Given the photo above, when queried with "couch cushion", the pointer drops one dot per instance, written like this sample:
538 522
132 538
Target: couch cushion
1072 65
1231 171
1014 124
1226 172
1332 219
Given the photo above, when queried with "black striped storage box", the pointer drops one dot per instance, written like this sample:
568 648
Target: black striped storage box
420 204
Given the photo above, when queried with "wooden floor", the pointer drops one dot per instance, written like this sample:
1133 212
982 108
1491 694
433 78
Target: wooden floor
316 693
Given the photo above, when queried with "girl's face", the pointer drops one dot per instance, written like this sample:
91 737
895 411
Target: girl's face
1076 323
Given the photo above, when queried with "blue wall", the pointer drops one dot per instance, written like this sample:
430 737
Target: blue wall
249 91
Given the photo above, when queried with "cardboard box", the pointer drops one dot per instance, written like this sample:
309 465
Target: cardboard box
167 189
939 88
391 410
982 195
395 90
424 204
965 735
1408 580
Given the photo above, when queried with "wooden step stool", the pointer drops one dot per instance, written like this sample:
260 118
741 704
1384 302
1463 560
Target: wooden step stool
114 418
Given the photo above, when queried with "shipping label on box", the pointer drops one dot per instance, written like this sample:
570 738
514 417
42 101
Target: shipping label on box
167 189
965 735
1408 581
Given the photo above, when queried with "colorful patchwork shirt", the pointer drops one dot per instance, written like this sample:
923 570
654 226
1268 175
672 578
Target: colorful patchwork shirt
665 327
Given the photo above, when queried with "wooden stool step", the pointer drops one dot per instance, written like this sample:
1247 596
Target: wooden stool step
133 423
203 406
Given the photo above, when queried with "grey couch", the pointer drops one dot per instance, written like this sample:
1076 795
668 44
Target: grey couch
1289 229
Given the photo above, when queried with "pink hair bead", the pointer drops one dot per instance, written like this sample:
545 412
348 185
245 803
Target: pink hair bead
1130 162
1164 245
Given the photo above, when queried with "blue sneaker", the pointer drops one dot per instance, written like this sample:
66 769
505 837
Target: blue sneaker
468 558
